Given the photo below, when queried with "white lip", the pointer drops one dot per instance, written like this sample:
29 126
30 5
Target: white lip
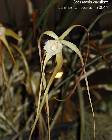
53 47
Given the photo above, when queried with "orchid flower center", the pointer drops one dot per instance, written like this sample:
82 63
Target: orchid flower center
52 47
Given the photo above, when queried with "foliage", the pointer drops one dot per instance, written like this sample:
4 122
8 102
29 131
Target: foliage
33 103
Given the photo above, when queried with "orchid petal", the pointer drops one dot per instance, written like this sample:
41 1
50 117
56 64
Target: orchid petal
51 34
72 47
9 32
59 60
47 58
70 29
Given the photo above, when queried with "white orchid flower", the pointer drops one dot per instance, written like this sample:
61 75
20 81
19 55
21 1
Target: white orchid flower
54 48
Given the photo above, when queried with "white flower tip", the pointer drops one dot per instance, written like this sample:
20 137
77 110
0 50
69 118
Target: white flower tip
2 30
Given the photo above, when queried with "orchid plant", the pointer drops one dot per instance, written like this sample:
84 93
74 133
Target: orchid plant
4 32
52 48
7 32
